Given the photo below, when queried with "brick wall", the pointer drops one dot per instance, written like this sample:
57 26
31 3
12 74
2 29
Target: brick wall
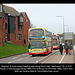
26 26
5 30
1 33
13 37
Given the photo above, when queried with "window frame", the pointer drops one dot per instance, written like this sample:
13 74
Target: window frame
6 35
6 26
19 37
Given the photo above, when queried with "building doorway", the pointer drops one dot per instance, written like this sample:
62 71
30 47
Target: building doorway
24 41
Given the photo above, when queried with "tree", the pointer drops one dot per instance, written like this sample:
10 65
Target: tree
32 26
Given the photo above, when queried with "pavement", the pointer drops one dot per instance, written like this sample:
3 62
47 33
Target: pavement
53 57
57 58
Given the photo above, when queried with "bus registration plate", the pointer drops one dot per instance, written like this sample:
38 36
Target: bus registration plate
36 53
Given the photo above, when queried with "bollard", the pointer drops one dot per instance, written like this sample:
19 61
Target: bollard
74 48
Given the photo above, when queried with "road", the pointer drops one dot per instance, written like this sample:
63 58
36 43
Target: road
53 57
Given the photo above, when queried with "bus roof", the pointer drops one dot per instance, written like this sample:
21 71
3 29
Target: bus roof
38 28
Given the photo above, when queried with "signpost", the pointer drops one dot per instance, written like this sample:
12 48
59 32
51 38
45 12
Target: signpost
68 36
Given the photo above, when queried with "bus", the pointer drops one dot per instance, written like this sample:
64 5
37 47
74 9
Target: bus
40 41
55 42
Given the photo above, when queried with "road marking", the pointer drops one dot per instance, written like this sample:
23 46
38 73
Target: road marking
62 58
46 57
36 61
34 57
17 59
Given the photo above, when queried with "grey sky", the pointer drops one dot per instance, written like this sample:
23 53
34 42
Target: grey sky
44 15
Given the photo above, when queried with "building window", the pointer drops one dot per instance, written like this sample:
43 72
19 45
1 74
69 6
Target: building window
6 26
21 18
19 27
24 41
19 36
6 35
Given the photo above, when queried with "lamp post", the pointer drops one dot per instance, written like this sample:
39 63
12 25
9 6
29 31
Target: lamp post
63 25
68 27
63 21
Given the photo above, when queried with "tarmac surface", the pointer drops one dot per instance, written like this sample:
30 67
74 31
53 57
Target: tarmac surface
54 57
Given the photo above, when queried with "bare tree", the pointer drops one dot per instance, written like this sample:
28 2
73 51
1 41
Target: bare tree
32 26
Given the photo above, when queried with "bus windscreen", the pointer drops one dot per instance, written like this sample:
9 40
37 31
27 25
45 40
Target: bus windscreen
37 44
36 34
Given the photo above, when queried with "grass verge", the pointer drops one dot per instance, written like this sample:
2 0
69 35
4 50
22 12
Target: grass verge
11 49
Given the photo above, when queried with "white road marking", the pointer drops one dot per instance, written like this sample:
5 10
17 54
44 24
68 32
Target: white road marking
19 56
46 57
36 61
15 60
15 57
35 57
62 58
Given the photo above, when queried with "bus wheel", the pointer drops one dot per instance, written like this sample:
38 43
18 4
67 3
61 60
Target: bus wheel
33 55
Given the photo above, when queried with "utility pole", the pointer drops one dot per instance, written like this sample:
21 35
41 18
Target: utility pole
63 26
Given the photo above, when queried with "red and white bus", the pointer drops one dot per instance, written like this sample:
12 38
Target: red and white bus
40 41
55 42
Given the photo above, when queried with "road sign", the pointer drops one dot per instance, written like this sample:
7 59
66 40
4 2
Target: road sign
68 36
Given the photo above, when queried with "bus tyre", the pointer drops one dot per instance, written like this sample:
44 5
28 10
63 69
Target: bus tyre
33 55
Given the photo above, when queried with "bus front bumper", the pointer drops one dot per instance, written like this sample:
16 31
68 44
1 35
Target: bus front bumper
37 53
55 47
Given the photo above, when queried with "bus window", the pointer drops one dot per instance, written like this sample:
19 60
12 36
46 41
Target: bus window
55 43
36 32
37 44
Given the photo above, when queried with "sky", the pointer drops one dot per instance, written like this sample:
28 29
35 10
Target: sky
45 16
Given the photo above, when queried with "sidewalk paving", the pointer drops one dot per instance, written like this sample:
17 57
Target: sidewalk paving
56 58
69 58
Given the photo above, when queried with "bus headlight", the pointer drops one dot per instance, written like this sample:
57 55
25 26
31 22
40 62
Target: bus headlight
30 51
43 50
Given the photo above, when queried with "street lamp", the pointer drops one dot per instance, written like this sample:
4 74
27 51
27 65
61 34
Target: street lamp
63 26
63 22
68 27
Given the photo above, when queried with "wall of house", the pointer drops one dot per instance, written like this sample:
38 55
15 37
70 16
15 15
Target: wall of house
1 33
13 35
5 29
26 27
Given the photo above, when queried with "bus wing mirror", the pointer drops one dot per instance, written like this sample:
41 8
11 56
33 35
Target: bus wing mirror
46 42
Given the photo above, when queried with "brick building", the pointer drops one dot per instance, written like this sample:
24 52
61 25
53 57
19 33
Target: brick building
14 26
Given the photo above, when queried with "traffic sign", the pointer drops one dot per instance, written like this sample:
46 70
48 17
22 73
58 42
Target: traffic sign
68 36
